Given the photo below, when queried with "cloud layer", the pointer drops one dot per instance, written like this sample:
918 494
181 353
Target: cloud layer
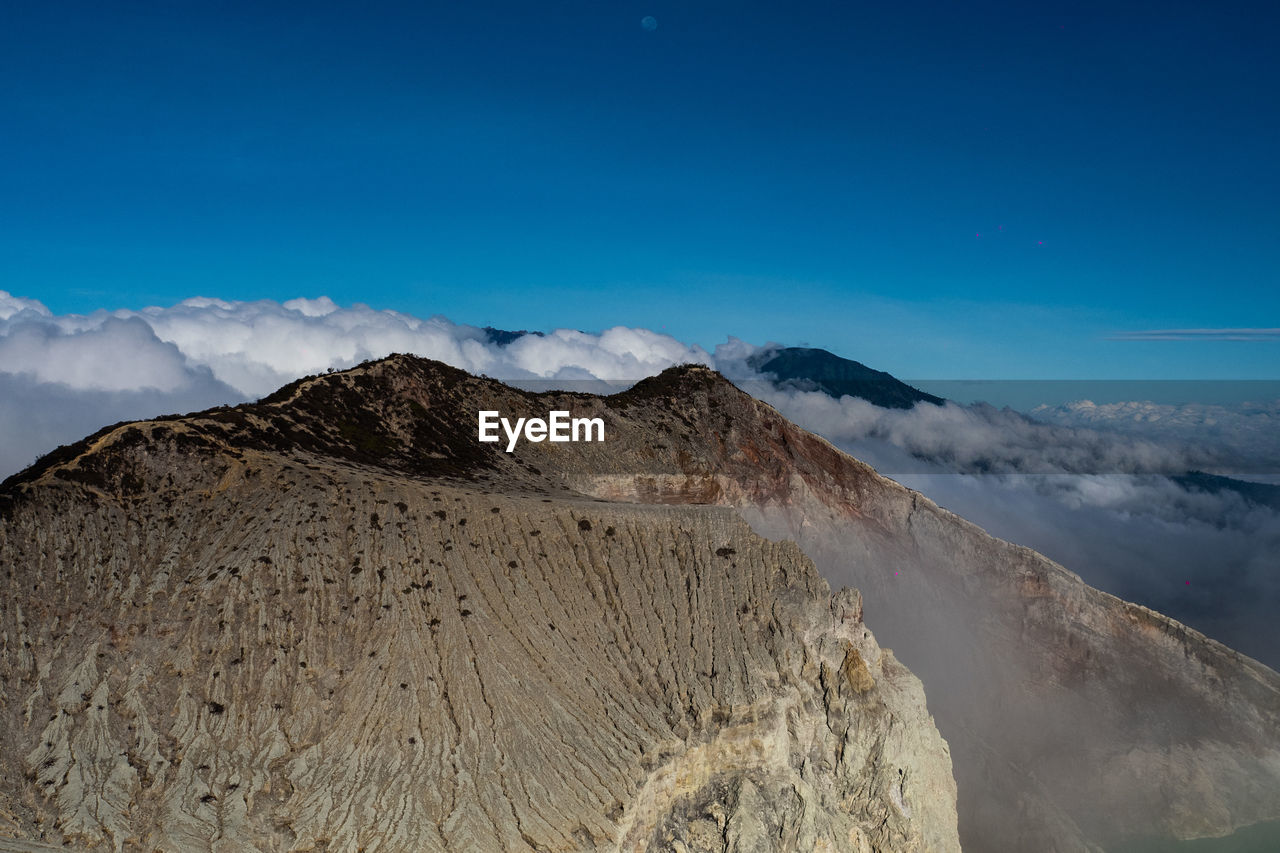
1246 434
66 375
980 439
1082 483
1092 492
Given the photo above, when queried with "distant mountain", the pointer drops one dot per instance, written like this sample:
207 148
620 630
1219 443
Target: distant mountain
1262 494
502 337
811 369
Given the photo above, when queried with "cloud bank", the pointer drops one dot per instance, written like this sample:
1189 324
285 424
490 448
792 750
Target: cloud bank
1097 492
1246 434
1083 483
980 439
64 376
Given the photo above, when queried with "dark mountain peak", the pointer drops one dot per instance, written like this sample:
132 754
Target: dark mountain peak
416 417
1259 494
680 381
811 369
502 337
401 412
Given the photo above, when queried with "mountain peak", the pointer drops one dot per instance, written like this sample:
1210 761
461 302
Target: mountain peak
810 369
333 474
678 381
334 618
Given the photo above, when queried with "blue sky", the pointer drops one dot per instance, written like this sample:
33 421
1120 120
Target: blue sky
977 190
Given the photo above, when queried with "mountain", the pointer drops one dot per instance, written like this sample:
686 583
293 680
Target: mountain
334 620
1259 494
681 681
809 369
502 337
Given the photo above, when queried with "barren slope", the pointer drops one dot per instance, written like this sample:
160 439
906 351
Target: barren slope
318 623
1076 719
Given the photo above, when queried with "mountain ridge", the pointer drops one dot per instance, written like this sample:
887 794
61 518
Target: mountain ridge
294 626
1039 683
813 369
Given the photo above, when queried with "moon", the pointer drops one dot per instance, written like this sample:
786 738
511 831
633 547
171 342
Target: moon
649 23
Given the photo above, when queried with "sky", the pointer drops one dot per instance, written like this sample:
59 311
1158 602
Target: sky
942 190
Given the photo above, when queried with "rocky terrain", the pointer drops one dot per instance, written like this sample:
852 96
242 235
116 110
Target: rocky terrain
1076 720
334 621
698 690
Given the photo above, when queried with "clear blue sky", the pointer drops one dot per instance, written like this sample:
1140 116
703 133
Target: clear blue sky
803 172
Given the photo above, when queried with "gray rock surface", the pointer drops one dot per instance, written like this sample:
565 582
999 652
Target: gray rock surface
1077 721
333 621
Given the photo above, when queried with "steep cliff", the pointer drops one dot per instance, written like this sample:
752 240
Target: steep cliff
1076 720
333 620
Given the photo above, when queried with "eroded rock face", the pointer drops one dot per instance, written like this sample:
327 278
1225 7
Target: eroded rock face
1075 719
320 623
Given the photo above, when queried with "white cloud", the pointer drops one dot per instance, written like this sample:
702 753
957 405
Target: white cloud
205 351
1093 500
36 417
1248 433
254 347
1089 493
117 355
11 306
244 350
983 439
619 353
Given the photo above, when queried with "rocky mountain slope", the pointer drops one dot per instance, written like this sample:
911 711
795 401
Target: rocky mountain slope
812 369
334 620
1076 720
